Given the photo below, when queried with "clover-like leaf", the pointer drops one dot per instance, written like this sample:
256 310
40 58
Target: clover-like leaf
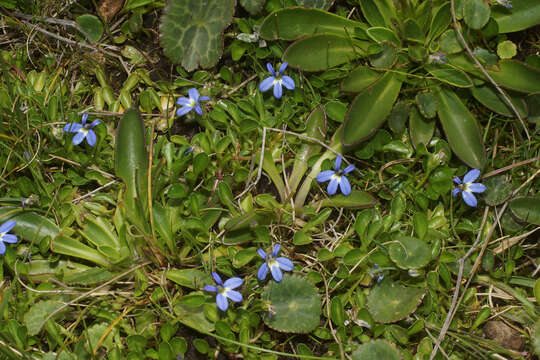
376 350
409 253
390 302
294 305
191 31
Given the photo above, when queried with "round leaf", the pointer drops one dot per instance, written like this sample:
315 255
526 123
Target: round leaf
476 13
376 350
526 209
409 253
506 49
389 302
91 25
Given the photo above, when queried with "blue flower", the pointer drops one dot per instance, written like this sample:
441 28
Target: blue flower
191 103
467 187
506 3
274 263
83 131
225 290
276 80
5 228
336 177
438 57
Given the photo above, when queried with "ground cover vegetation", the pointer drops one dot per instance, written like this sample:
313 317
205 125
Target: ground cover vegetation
269 179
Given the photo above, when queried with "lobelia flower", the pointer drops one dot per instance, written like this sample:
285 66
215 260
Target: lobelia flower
191 103
336 177
83 131
438 57
274 263
506 3
467 187
225 290
277 80
5 228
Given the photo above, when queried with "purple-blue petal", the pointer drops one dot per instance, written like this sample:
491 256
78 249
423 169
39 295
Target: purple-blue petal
217 278
457 180
282 68
78 138
270 69
211 288
324 176
278 90
198 109
204 98
348 169
193 94
288 82
276 272
345 186
183 110
234 295
471 176
477 187
262 272
233 283
332 186
7 226
285 263
183 101
94 123
337 164
2 248
222 302
91 137
261 253
84 118
469 198
276 250
455 191
72 127
266 84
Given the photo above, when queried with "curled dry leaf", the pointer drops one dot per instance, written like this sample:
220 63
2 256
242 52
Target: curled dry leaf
109 8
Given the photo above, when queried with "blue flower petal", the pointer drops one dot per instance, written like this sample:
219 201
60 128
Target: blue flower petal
337 164
91 138
72 127
455 192
477 187
348 169
233 283
345 186
2 248
222 302
217 278
7 226
198 110
261 253
276 272
276 250
94 123
278 90
469 198
262 272
193 94
234 295
324 176
211 288
183 101
204 98
183 110
78 138
84 118
282 68
471 176
288 82
457 180
333 185
270 69
266 84
285 263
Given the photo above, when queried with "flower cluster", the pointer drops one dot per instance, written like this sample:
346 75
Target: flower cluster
83 131
337 178
5 237
467 187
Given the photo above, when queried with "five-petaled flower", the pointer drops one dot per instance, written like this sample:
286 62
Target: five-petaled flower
83 131
191 103
277 80
225 290
438 57
5 228
336 177
467 187
274 263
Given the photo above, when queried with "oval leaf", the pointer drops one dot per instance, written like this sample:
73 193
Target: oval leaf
319 4
450 75
516 75
420 129
355 200
376 350
91 25
523 14
476 13
409 253
494 101
526 209
389 302
364 118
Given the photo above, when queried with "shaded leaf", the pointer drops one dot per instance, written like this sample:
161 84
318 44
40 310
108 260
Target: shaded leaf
390 302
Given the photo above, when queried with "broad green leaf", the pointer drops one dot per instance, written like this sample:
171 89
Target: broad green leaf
386 57
536 335
409 253
461 129
476 13
319 4
498 190
91 25
70 247
355 200
294 306
293 23
364 118
378 12
450 75
325 51
34 317
191 31
523 14
376 350
44 270
526 209
252 6
380 34
164 217
191 278
413 32
97 232
194 317
427 104
420 129
390 302
359 79
516 75
30 226
450 43
494 101
440 21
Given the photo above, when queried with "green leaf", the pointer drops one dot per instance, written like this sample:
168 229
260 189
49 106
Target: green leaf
91 25
325 51
30 226
498 190
440 21
355 200
494 101
194 317
450 43
97 232
450 75
523 14
386 57
526 209
294 305
34 317
516 75
70 247
376 350
536 337
380 34
252 6
293 23
427 104
378 12
409 253
420 129
364 118
461 129
506 49
191 278
191 31
413 32
319 4
476 13
359 79
389 302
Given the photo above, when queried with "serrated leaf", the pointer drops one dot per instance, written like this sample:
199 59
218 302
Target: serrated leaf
37 314
319 4
409 253
252 6
390 302
295 305
376 350
191 31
